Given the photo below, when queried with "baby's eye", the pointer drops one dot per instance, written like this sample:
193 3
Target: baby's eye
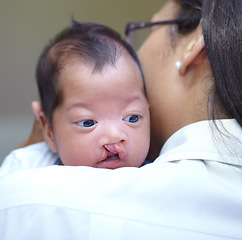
132 118
86 123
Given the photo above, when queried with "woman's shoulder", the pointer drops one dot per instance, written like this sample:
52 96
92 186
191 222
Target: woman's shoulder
33 156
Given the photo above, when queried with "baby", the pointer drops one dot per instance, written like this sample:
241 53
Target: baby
95 111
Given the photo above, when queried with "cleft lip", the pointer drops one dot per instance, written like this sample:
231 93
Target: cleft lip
113 157
114 151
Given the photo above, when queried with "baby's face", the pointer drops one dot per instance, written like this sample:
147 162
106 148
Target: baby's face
103 120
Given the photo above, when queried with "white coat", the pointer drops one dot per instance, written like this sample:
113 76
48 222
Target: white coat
192 191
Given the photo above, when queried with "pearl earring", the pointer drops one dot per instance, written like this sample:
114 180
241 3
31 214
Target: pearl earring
178 64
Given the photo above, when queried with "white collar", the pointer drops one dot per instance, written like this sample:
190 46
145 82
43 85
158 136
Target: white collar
201 140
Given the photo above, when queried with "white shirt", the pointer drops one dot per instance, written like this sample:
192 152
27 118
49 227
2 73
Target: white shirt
192 191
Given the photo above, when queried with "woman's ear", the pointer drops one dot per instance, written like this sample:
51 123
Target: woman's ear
47 131
193 56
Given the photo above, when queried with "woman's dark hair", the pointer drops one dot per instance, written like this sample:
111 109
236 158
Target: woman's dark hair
222 30
94 43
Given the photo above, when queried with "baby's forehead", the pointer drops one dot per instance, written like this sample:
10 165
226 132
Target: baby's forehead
73 62
78 69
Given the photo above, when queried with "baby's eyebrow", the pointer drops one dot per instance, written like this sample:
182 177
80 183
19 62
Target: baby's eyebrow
76 105
134 98
138 100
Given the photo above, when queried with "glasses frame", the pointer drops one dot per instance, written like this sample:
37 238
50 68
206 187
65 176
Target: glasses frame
133 26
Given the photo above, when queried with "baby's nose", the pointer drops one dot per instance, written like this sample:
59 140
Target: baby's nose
112 134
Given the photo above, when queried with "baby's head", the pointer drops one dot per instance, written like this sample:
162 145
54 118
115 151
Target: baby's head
92 91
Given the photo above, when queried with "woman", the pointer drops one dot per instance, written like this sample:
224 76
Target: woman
195 92
193 190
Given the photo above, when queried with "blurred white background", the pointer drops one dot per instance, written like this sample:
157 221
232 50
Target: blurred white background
25 28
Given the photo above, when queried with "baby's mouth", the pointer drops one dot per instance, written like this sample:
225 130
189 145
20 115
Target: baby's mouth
111 155
115 151
114 155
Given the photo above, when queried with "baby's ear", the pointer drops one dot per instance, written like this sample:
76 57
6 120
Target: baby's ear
47 132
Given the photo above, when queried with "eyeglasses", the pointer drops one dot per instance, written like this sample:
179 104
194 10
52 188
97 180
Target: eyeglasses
137 39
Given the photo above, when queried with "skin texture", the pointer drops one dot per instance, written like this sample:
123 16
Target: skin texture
110 99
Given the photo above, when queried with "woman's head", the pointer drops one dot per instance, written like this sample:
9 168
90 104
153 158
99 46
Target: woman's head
208 83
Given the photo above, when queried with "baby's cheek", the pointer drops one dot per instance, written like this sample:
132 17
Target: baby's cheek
68 156
140 151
